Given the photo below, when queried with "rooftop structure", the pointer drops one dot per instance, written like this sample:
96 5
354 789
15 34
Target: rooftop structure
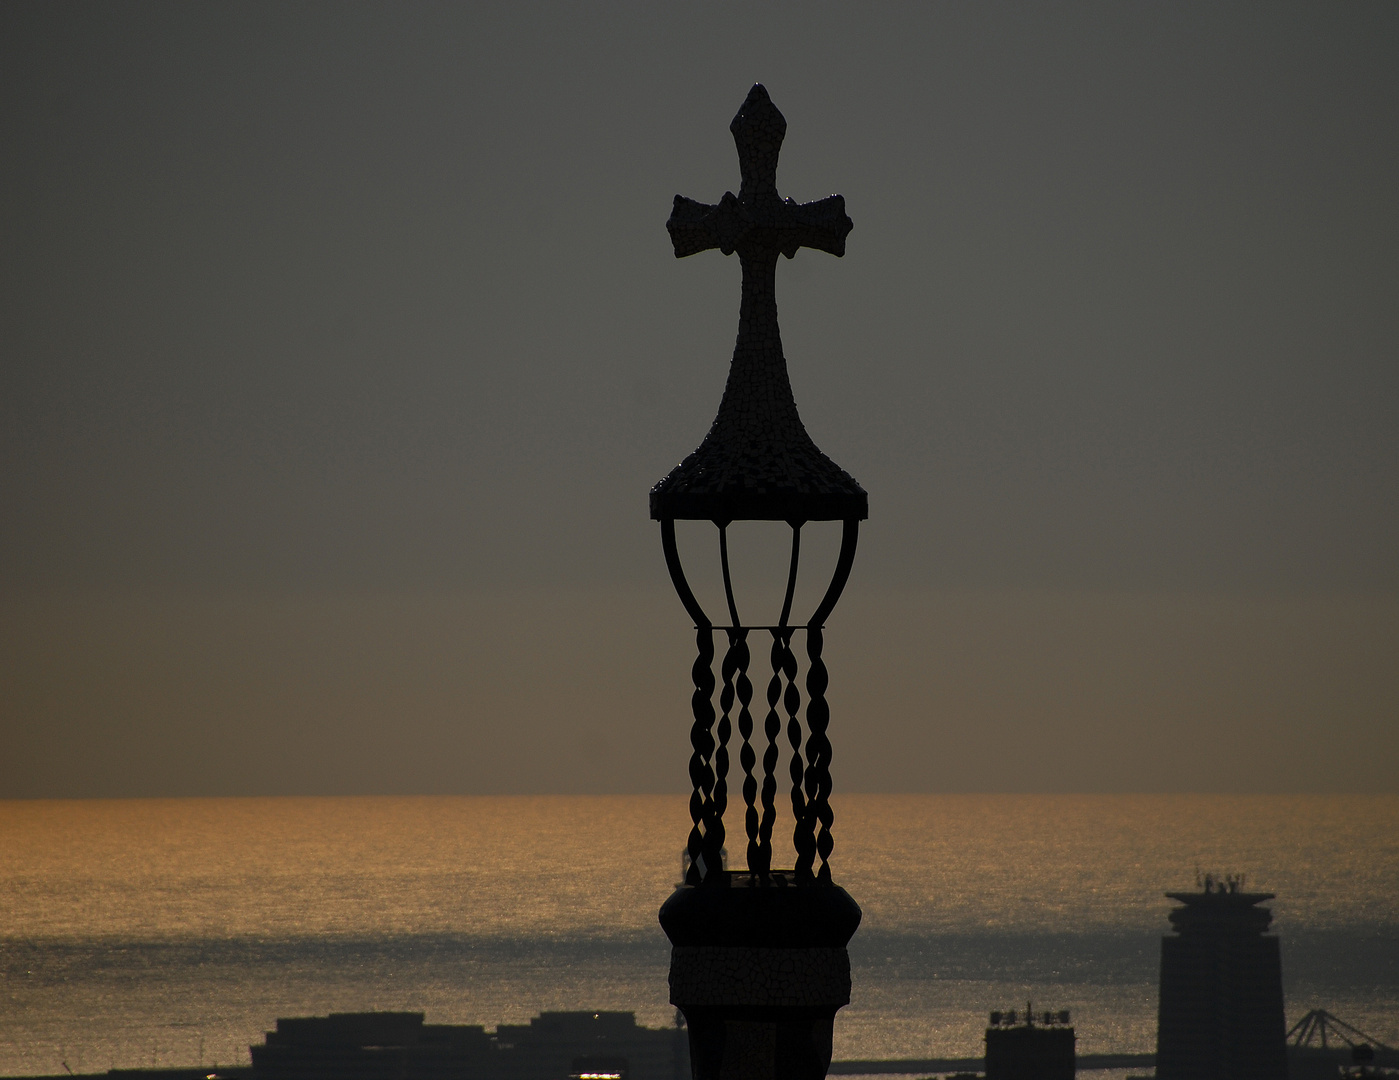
758 964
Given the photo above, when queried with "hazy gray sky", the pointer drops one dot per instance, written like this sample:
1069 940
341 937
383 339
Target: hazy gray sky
342 343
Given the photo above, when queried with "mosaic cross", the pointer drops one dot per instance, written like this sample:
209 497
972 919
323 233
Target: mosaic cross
758 461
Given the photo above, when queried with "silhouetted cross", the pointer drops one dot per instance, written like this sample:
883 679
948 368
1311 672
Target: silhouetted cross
757 460
758 223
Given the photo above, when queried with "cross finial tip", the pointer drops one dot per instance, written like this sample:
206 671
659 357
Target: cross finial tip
758 130
758 111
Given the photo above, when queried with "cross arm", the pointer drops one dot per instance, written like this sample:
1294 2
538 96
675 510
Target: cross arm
696 226
822 225
774 226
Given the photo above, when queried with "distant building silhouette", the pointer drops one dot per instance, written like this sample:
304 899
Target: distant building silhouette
1221 1012
1018 1048
555 1045
367 1046
399 1046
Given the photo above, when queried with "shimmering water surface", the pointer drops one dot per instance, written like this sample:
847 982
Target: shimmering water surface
176 931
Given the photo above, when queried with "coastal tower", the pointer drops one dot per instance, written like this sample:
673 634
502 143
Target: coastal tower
758 962
1221 1013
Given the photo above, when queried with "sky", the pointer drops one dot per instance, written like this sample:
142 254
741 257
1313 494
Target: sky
340 345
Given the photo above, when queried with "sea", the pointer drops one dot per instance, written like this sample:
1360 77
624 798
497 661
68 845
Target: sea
152 932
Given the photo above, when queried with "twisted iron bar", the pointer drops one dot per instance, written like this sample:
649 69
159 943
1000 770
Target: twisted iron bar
783 663
802 840
733 665
704 823
736 677
818 753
